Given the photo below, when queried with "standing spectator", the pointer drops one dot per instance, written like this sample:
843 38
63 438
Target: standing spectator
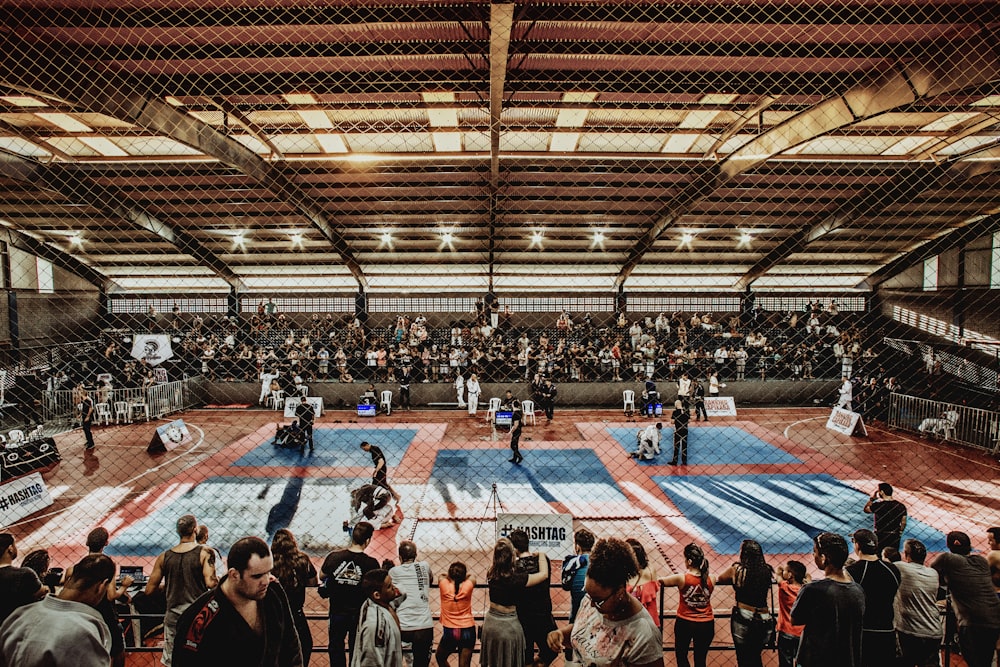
267 376
342 572
993 557
681 418
695 619
201 537
977 608
917 617
379 639
414 580
459 385
18 585
516 426
295 572
458 627
97 539
574 569
306 414
186 571
831 610
791 577
645 586
889 517
244 621
63 630
503 643
846 393
880 580
380 475
698 389
534 606
472 391
87 419
751 621
547 398
614 628
405 378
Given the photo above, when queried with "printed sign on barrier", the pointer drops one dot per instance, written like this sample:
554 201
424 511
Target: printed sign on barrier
720 406
552 534
23 497
846 422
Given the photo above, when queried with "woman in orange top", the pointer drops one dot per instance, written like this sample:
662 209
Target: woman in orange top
695 619
645 587
458 627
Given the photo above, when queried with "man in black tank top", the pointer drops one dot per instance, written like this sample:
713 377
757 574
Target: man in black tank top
186 571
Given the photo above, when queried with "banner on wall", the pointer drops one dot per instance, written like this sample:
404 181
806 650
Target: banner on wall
552 534
154 349
292 402
22 497
846 422
720 406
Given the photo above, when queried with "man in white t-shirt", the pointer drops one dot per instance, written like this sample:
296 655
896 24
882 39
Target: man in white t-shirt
413 579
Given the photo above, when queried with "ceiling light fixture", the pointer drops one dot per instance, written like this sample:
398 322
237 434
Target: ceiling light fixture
746 238
686 239
447 241
597 240
296 240
385 240
536 240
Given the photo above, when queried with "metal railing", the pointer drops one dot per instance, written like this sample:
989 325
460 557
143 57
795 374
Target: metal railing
974 427
160 400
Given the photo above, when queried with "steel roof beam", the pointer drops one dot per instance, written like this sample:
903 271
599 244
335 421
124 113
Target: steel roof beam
946 67
63 182
26 68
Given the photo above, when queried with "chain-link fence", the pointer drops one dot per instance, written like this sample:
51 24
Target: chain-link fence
501 243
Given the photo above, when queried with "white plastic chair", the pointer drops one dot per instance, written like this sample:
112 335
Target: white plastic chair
122 411
276 400
385 401
950 422
104 413
36 433
15 438
528 409
491 411
628 400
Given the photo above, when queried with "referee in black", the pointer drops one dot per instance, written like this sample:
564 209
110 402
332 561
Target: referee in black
306 414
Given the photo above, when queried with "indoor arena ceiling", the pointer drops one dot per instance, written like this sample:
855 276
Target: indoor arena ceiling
420 146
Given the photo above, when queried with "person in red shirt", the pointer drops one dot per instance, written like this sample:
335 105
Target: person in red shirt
791 576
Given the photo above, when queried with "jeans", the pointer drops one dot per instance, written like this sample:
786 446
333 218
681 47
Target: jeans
420 642
978 644
341 626
750 633
918 651
788 646
701 633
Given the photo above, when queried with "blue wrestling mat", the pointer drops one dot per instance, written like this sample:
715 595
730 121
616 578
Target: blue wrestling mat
234 507
334 447
549 475
710 445
785 511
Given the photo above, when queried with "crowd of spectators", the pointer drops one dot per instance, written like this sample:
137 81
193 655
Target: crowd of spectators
818 342
869 605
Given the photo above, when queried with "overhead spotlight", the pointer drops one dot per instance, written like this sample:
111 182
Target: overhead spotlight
686 239
746 238
536 240
385 241
448 240
296 240
239 240
597 240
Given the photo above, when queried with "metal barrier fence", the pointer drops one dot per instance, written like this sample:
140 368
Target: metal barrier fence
151 402
974 427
